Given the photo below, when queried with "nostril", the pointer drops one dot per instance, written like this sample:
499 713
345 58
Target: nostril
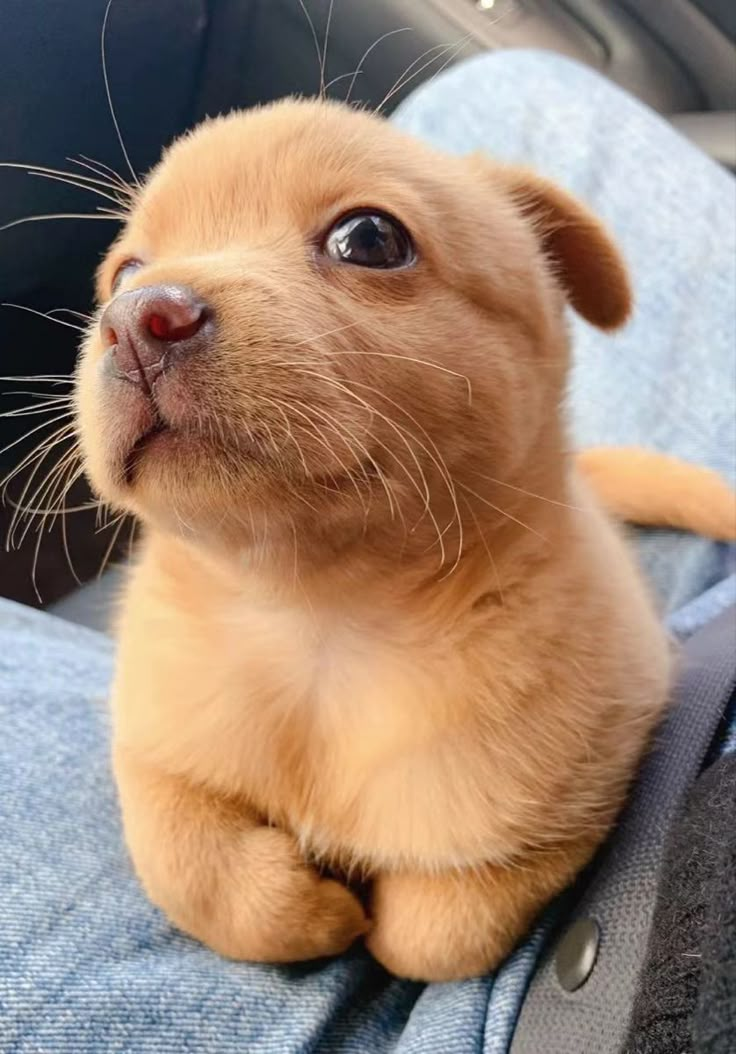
175 326
159 327
109 336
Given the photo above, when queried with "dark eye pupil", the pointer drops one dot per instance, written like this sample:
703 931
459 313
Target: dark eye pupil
369 240
369 235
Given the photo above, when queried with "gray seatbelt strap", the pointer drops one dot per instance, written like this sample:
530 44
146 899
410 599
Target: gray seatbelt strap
621 895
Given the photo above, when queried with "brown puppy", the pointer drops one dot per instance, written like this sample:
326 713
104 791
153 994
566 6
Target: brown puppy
377 621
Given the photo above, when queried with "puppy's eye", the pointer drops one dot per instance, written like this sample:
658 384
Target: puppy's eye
126 269
369 239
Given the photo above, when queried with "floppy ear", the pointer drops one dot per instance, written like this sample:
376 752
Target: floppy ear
585 259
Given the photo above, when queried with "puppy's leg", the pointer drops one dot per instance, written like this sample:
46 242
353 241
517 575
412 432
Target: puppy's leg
240 887
456 924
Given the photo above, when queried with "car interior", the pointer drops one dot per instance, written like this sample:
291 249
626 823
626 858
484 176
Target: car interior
216 55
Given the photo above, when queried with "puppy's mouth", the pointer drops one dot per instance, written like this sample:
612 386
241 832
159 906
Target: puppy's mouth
159 435
176 443
159 430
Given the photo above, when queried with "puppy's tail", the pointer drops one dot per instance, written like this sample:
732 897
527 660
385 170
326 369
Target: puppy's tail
656 490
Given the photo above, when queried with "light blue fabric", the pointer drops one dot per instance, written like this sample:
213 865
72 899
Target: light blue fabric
87 966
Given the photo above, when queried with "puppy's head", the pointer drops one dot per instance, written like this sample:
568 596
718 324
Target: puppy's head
313 325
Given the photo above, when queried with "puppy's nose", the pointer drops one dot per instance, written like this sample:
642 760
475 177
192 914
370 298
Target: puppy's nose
148 329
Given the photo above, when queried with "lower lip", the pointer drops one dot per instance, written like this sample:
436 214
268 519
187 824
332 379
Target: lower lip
163 439
149 441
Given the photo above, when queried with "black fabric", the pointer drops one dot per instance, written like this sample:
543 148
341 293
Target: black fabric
686 1000
714 1028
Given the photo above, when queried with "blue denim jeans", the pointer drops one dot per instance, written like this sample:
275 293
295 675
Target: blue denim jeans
87 965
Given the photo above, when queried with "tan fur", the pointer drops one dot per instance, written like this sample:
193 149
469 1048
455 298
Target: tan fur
446 697
655 490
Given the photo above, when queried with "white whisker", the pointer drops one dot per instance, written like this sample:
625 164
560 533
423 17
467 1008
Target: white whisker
46 170
438 461
31 410
43 314
41 378
323 59
405 79
116 534
39 452
63 216
79 185
423 490
103 57
503 512
359 68
487 548
100 168
336 80
400 358
32 431
529 493
70 311
330 423
313 33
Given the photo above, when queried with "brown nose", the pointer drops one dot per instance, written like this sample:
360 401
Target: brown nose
148 329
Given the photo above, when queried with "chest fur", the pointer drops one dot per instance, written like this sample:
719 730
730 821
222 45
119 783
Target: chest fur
356 737
381 736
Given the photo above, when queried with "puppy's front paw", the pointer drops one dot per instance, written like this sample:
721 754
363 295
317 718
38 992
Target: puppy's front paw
435 927
281 910
449 925
336 921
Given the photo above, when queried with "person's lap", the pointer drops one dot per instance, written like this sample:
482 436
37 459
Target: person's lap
86 964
